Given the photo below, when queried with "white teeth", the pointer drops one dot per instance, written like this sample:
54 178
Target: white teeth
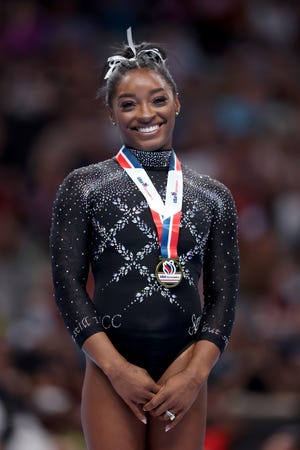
148 129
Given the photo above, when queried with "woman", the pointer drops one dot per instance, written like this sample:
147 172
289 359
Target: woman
149 228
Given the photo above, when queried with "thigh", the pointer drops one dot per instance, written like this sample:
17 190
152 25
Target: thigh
108 423
189 434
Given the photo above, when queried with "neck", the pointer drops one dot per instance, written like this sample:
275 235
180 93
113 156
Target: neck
149 151
152 159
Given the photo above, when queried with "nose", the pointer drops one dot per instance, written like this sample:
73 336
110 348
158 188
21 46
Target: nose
145 113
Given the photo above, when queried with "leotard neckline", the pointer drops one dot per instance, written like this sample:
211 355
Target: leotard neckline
151 159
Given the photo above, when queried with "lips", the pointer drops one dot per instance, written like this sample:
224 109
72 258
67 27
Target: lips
148 136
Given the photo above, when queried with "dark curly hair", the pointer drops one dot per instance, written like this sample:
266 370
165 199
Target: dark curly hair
145 58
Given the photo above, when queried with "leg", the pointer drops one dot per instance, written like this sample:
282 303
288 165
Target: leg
108 423
189 434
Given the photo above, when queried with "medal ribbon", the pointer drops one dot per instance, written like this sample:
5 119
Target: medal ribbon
166 215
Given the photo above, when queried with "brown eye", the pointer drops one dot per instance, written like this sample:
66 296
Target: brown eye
160 100
127 105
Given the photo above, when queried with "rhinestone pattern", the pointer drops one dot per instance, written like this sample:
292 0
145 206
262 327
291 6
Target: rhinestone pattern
100 219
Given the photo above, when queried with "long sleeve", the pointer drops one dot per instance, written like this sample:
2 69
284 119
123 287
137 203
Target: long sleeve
69 248
220 271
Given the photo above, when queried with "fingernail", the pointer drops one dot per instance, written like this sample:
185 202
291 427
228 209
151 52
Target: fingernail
144 420
167 428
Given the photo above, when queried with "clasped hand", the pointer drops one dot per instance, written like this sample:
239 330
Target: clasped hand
135 386
176 390
177 395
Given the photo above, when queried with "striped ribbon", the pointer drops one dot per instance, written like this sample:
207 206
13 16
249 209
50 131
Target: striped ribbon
166 215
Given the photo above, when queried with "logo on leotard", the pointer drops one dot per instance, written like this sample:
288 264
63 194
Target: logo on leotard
168 272
195 325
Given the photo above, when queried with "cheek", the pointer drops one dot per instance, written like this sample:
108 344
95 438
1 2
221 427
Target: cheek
124 118
172 121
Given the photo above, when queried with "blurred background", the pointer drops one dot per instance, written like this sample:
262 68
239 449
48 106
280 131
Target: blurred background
236 63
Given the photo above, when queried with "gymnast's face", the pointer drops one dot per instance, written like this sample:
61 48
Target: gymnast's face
144 108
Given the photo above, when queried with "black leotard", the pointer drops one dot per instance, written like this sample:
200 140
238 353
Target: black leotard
101 219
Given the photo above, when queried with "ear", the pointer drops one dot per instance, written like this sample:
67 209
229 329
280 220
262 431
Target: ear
177 105
111 115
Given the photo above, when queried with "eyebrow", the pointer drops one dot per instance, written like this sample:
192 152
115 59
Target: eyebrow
152 92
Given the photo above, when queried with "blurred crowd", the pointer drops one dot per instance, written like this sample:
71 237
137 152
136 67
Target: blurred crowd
236 63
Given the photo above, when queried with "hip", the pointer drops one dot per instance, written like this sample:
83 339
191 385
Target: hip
151 352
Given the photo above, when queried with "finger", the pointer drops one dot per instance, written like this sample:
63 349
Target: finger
144 397
148 381
172 424
149 390
156 400
155 388
161 410
149 395
162 418
137 411
143 394
169 415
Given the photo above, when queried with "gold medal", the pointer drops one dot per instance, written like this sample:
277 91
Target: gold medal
168 272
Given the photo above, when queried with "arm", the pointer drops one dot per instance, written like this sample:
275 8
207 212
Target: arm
220 273
182 382
70 255
220 281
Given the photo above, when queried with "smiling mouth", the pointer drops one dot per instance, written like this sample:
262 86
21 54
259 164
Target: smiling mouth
149 129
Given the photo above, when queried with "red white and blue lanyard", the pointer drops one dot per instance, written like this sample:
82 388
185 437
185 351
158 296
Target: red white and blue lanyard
166 215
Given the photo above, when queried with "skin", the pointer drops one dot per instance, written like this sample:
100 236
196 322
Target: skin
122 406
144 99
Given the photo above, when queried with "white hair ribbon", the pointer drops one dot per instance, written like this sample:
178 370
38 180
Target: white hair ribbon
113 62
130 41
116 60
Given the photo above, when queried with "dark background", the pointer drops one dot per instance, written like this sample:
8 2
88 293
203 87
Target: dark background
236 63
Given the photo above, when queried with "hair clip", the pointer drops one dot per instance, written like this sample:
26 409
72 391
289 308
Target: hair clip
114 61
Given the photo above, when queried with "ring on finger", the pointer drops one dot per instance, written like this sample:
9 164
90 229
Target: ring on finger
171 415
